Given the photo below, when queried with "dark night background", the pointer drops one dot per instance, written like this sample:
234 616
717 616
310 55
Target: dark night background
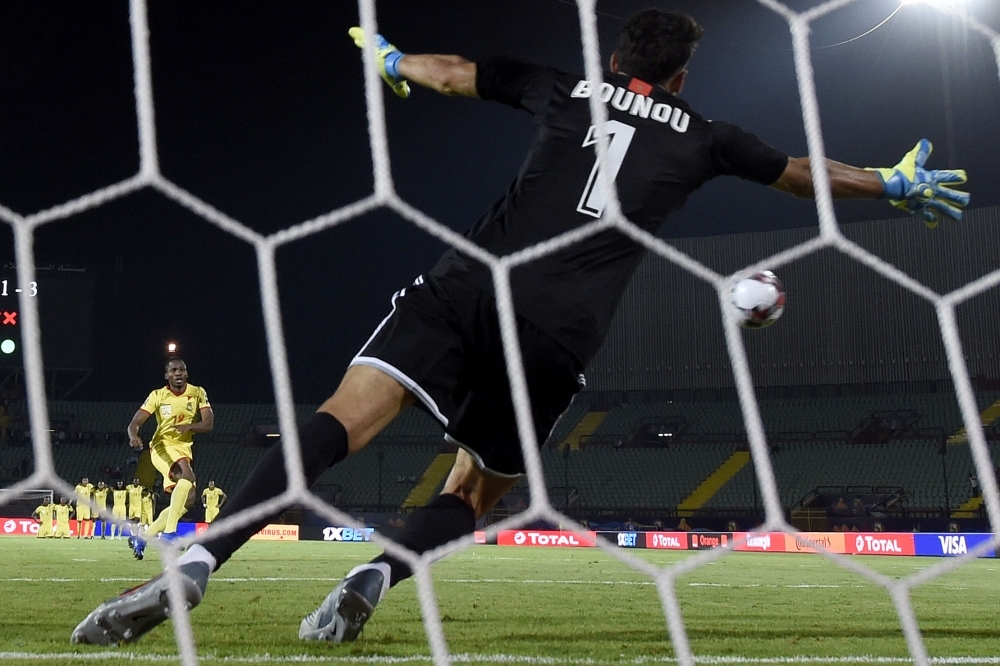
260 112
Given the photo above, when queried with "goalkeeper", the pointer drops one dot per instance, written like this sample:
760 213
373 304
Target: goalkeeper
440 346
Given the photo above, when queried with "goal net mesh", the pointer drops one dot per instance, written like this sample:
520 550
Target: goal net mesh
384 196
22 503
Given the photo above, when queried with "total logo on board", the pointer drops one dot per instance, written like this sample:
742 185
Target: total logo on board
19 526
551 538
881 544
667 540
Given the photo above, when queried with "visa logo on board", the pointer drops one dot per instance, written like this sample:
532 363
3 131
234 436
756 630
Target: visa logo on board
953 545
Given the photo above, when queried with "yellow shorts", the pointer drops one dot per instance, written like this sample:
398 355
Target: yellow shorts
118 512
164 456
211 513
82 511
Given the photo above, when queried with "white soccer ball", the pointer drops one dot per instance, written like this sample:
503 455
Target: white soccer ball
759 299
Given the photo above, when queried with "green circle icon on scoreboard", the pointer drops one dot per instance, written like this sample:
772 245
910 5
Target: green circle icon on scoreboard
7 346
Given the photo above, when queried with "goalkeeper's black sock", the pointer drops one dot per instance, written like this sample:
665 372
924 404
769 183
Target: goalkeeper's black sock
323 442
443 519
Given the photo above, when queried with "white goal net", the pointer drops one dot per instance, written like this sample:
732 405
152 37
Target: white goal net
384 195
22 503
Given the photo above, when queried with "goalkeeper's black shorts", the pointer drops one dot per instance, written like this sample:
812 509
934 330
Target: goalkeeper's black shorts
442 342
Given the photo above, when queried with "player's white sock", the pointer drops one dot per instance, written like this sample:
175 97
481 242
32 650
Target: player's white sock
197 553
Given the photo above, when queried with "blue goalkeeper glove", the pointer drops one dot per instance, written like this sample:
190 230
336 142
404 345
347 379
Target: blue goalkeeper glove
910 187
387 58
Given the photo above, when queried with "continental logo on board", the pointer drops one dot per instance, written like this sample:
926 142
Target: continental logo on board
802 543
277 533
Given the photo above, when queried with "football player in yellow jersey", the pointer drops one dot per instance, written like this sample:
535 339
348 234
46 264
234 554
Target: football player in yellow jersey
44 515
118 498
134 505
101 500
63 511
182 410
148 506
212 499
84 523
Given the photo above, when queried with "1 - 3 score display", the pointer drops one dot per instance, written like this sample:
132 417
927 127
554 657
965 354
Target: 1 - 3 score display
9 341
9 288
65 300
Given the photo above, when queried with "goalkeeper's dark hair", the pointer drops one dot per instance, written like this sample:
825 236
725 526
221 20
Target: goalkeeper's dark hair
171 359
654 45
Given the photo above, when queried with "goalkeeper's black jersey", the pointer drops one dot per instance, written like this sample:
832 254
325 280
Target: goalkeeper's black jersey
660 151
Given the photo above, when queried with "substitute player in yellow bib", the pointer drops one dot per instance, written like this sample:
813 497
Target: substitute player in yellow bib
84 524
181 410
212 498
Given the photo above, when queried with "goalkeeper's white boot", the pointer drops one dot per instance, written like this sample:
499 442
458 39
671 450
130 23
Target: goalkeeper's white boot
342 615
134 612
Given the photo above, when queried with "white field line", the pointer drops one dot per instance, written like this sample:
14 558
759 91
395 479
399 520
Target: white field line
471 581
116 656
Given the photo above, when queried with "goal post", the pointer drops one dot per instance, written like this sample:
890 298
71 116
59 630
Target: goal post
22 503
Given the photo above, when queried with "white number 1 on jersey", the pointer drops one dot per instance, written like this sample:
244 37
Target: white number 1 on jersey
620 135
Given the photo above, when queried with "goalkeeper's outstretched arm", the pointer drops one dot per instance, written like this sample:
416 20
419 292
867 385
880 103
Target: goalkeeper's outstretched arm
447 74
908 186
846 181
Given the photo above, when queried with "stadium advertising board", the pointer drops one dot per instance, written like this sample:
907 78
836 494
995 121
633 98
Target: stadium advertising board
624 539
802 543
760 542
277 533
667 540
331 533
950 545
185 529
549 538
709 540
879 543
336 534
24 527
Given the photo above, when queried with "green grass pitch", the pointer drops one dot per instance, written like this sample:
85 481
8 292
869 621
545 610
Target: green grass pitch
503 605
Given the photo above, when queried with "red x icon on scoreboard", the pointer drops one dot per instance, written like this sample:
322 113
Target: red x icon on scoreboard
10 318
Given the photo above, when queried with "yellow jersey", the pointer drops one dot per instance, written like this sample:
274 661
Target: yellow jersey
172 410
84 492
101 497
119 497
134 495
63 512
44 513
211 496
